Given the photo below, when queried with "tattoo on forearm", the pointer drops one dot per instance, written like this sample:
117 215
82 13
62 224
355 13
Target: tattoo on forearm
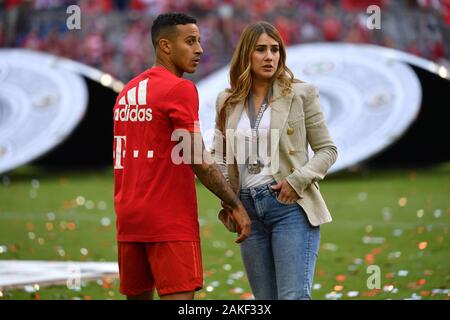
213 179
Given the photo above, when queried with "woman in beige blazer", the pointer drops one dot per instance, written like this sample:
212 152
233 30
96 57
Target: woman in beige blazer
264 123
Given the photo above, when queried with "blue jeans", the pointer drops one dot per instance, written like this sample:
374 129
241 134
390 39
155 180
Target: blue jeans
280 254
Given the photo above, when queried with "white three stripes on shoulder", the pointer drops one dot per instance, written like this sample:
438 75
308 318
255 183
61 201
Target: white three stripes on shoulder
130 97
142 92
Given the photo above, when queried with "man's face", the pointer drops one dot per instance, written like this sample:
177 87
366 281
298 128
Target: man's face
186 48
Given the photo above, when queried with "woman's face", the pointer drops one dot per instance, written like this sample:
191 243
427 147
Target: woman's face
265 57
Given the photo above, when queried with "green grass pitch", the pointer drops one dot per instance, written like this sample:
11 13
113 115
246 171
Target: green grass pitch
395 219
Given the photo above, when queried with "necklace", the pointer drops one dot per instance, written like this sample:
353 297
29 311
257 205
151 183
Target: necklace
253 162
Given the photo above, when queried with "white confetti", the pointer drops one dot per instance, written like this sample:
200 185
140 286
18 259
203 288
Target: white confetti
387 215
437 213
395 254
229 253
33 193
202 222
373 240
238 290
219 244
101 205
80 200
29 289
237 275
105 221
89 204
403 273
330 247
362 196
388 288
227 267
352 294
6 181
51 216
420 213
35 183
333 295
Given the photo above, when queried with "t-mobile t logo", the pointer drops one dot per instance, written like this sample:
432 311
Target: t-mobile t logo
119 153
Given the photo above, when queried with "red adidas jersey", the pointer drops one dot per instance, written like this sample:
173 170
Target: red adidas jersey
154 198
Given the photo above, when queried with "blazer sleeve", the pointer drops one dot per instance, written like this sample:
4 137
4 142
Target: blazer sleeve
218 150
325 151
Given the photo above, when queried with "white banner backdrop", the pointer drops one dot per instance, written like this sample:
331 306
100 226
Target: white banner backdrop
369 96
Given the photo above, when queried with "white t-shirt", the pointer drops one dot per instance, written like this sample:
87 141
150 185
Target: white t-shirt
244 136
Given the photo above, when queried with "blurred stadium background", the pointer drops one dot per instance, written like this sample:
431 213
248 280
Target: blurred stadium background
392 210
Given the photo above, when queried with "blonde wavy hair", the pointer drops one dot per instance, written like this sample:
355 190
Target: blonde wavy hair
240 70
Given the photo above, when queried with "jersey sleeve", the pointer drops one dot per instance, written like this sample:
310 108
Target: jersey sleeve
183 106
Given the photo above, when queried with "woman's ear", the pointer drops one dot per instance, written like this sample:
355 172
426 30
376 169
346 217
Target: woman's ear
165 45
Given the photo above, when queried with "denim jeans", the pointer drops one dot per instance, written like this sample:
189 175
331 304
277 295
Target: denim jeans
280 254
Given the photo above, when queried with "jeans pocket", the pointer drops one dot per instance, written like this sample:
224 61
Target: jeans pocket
275 197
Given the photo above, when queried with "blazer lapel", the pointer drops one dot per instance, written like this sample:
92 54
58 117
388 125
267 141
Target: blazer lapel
280 107
233 120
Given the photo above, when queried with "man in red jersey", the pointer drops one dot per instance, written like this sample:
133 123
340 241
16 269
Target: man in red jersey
154 196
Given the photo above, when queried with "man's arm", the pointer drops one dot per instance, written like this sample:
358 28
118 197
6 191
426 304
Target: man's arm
212 178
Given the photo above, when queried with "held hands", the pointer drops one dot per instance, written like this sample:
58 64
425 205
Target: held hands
240 218
286 194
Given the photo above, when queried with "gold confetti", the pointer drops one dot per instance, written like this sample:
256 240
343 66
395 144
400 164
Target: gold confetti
402 202
246 296
369 259
427 272
423 245
341 278
71 226
425 293
63 181
49 226
338 288
107 282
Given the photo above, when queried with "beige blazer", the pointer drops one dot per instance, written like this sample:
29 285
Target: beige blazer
297 120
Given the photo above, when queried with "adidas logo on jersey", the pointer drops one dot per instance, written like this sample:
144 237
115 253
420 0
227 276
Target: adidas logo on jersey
133 114
129 110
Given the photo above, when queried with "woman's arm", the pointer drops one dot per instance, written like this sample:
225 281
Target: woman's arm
325 151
